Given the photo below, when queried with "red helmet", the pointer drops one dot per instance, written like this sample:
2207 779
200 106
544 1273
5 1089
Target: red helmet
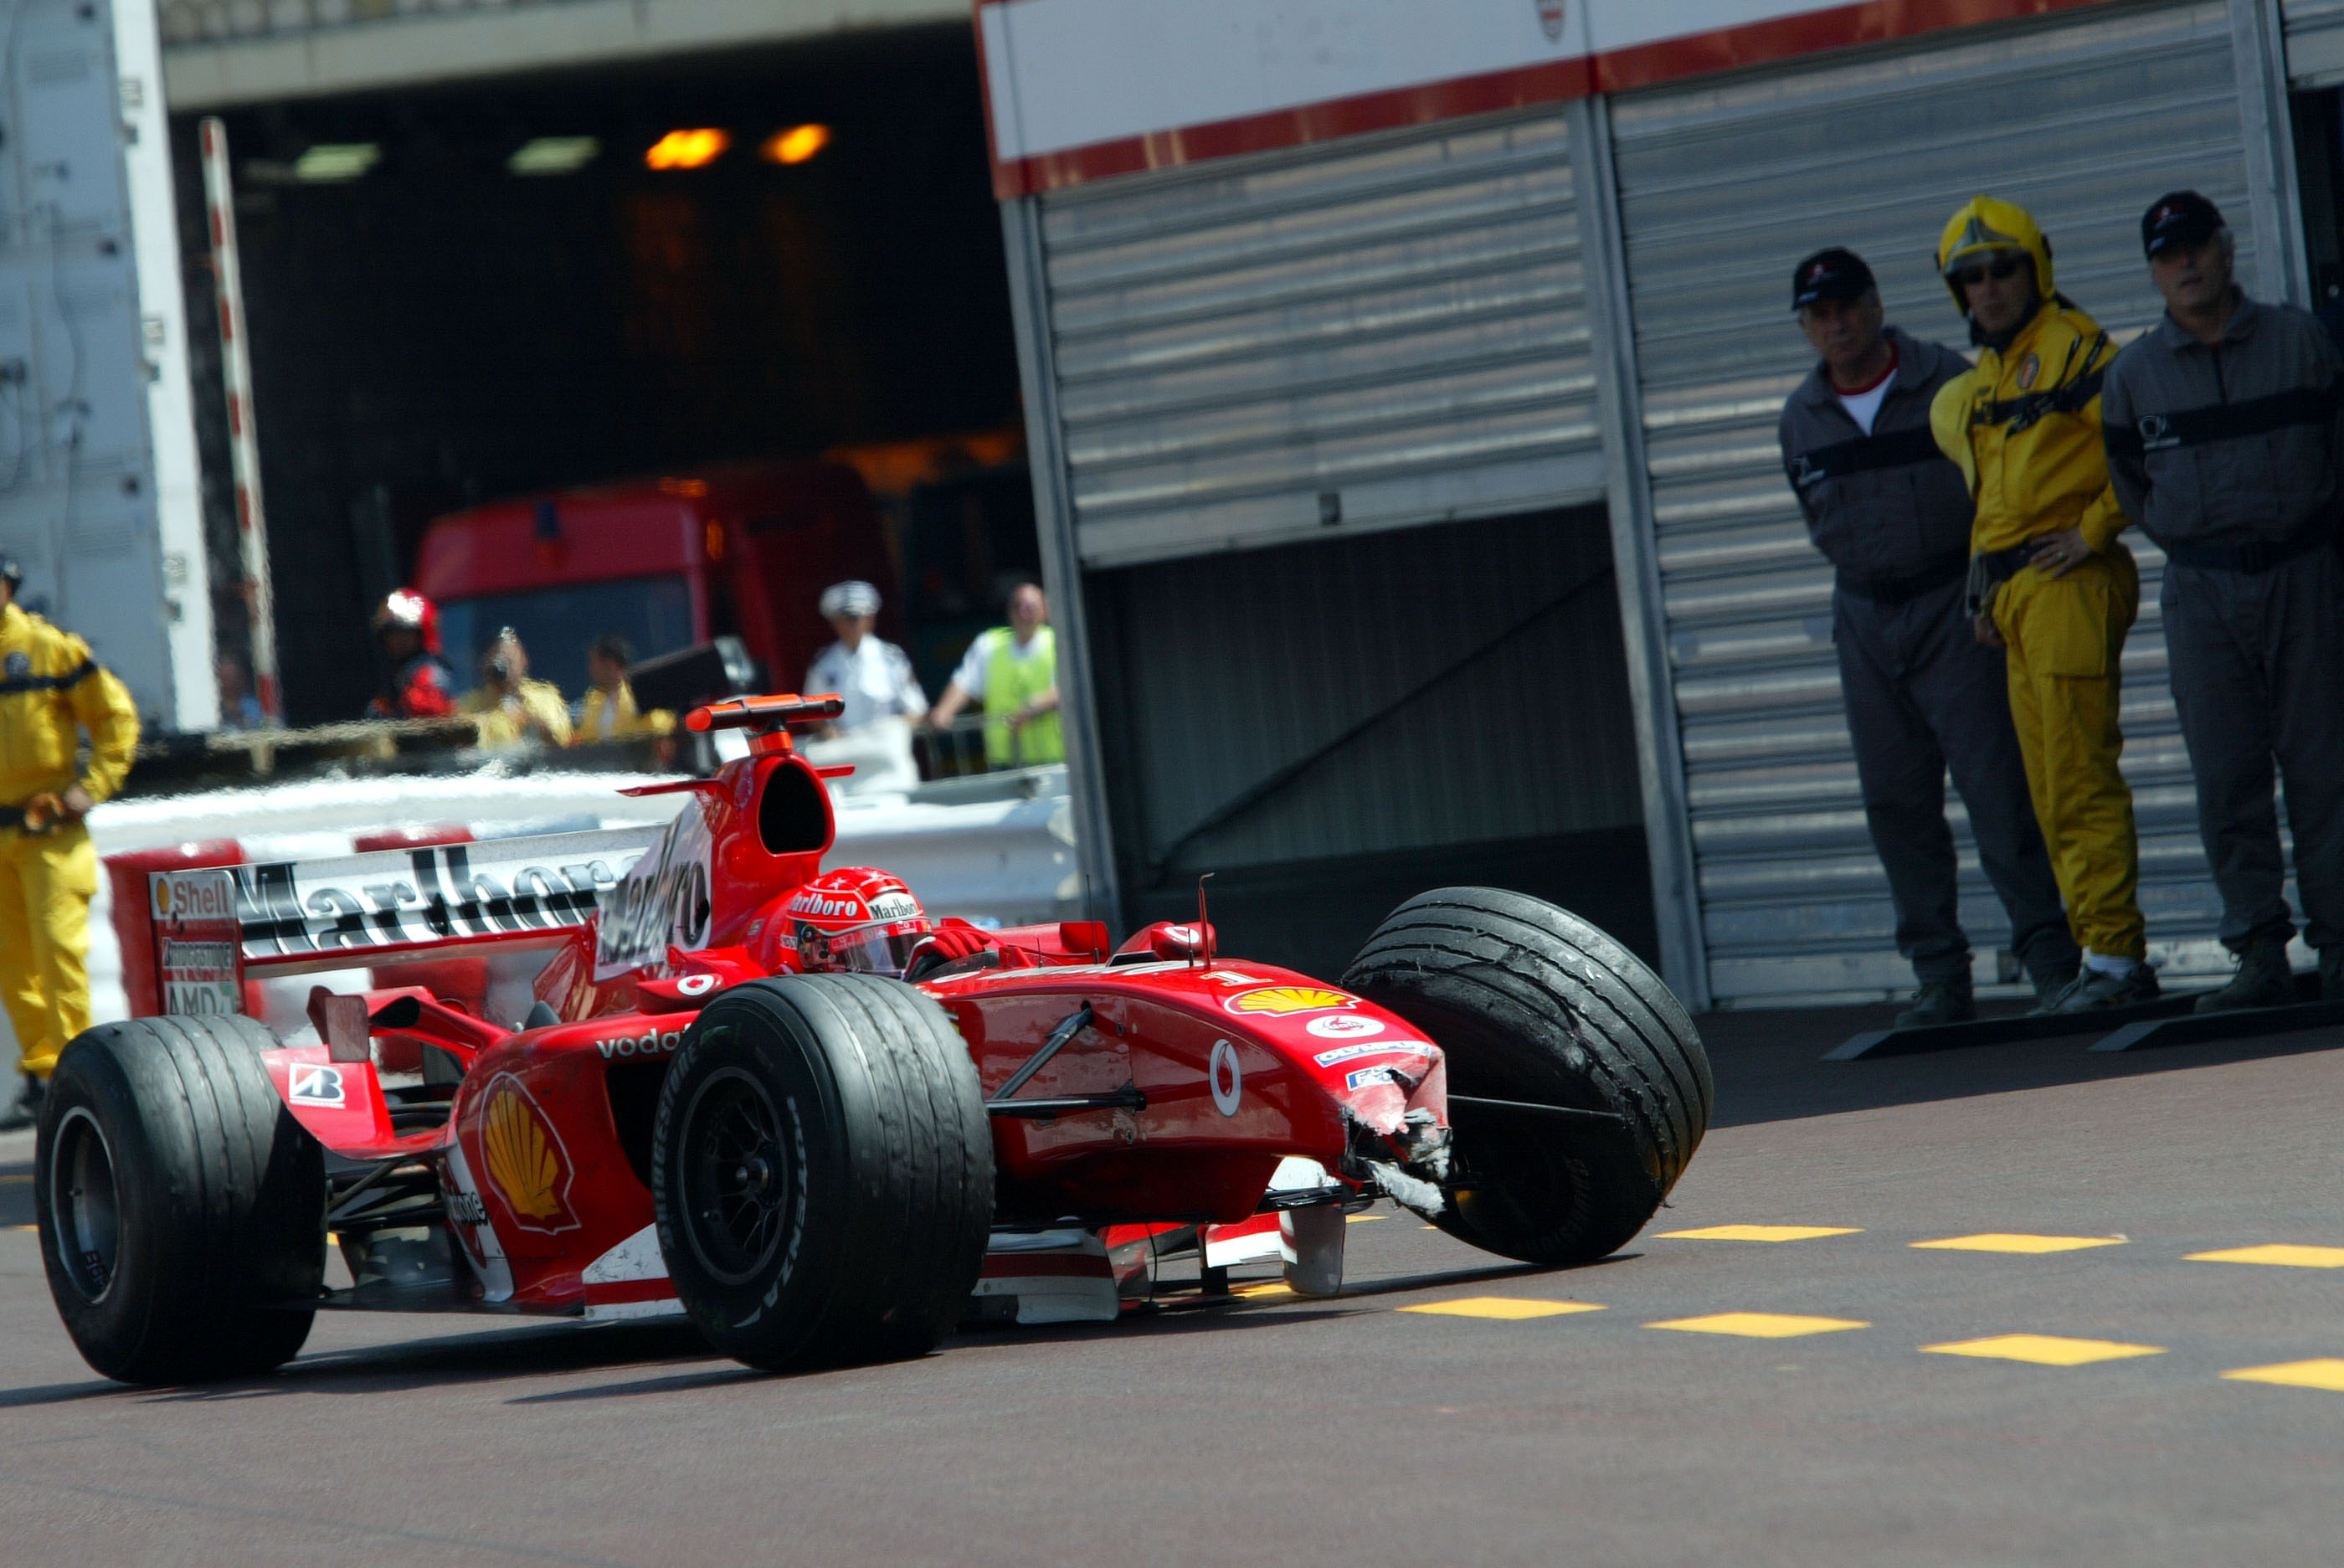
409 611
856 920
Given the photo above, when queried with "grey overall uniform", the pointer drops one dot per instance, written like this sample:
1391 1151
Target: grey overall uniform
1891 514
2226 455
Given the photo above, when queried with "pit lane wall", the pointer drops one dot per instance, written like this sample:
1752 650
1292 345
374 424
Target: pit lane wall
1288 273
993 850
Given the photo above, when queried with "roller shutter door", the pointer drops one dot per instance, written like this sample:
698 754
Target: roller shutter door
2315 42
1376 333
1723 189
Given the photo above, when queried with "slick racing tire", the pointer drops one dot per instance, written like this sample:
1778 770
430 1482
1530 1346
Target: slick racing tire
1534 1006
821 1169
180 1205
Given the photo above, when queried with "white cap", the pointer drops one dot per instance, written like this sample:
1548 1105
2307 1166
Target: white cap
851 598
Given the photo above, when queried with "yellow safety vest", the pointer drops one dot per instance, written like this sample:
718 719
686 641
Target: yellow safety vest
1009 683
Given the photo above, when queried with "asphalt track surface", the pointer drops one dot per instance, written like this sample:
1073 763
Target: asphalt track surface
1361 1432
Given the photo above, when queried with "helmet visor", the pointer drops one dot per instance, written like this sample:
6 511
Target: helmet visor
865 950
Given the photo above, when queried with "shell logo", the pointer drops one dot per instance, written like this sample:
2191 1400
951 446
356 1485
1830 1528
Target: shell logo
163 896
525 1158
1277 1001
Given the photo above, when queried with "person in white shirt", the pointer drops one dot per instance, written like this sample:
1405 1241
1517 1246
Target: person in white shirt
882 692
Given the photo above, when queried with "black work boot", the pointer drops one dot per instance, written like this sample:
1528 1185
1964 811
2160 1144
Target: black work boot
2096 990
2332 974
2049 987
1939 1002
2263 981
27 1111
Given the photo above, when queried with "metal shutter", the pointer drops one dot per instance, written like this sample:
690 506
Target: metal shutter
1381 332
1723 189
2315 42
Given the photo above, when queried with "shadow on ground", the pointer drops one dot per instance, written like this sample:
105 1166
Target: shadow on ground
1767 1068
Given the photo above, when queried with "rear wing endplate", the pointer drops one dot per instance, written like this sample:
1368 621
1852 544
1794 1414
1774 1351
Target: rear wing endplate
215 926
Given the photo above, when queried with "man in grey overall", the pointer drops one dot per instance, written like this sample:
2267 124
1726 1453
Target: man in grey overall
1891 514
2224 426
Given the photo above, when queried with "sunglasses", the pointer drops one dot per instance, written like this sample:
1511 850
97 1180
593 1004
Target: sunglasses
2002 271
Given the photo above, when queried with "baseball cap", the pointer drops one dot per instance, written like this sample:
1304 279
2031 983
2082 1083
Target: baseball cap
853 597
1835 273
2178 217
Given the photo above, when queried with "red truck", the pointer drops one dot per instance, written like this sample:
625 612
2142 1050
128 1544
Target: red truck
741 551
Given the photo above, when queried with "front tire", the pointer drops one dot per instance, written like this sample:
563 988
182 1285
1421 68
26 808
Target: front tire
821 1172
1531 1004
179 1204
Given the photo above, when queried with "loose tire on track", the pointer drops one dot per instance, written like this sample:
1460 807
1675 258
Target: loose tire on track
822 1168
177 1198
1531 1004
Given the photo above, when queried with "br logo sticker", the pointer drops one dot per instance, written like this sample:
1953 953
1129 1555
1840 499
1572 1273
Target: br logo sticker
311 1085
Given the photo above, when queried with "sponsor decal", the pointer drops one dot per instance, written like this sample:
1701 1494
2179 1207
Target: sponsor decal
1277 1001
695 985
193 896
815 905
895 906
464 1208
665 900
1233 978
309 1083
551 882
1380 1048
653 1044
1344 1026
200 976
1225 1078
1550 15
2028 370
527 1162
1366 1076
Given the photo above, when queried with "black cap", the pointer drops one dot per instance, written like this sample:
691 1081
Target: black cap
2178 217
1835 273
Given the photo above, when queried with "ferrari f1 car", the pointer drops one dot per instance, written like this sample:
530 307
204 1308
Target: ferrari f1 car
787 1105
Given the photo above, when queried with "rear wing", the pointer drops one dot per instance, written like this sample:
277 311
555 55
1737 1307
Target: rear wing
213 927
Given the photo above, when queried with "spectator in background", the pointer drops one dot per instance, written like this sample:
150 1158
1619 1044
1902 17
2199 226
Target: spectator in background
422 683
1012 671
513 707
240 709
1892 513
2224 429
883 697
608 711
874 677
2050 582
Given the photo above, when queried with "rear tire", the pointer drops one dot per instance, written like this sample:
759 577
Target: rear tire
821 1169
1531 1004
177 1198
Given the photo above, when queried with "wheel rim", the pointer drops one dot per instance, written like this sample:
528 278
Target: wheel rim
84 1212
740 1179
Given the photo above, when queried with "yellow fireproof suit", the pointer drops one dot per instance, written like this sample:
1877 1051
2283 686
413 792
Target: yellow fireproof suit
50 687
2025 426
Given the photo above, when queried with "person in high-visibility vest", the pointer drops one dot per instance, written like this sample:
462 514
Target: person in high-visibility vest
51 693
1013 669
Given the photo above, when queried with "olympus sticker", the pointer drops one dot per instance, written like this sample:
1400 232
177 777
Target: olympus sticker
1380 1048
1225 1078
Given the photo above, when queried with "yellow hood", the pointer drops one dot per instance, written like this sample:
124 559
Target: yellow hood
1986 223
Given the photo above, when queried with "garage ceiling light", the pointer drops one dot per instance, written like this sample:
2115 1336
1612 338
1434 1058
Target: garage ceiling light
554 155
795 144
329 161
687 149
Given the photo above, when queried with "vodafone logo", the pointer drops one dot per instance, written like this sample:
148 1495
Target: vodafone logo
1226 1079
695 985
1344 1026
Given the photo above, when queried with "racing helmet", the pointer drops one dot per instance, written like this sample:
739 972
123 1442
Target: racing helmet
855 920
405 609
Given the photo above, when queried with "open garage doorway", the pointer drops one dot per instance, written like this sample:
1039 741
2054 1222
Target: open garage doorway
497 287
1333 727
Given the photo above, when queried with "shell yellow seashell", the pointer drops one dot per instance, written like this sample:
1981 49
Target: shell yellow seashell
1289 999
520 1161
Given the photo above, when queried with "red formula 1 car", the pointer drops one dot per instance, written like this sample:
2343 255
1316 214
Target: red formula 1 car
786 1104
